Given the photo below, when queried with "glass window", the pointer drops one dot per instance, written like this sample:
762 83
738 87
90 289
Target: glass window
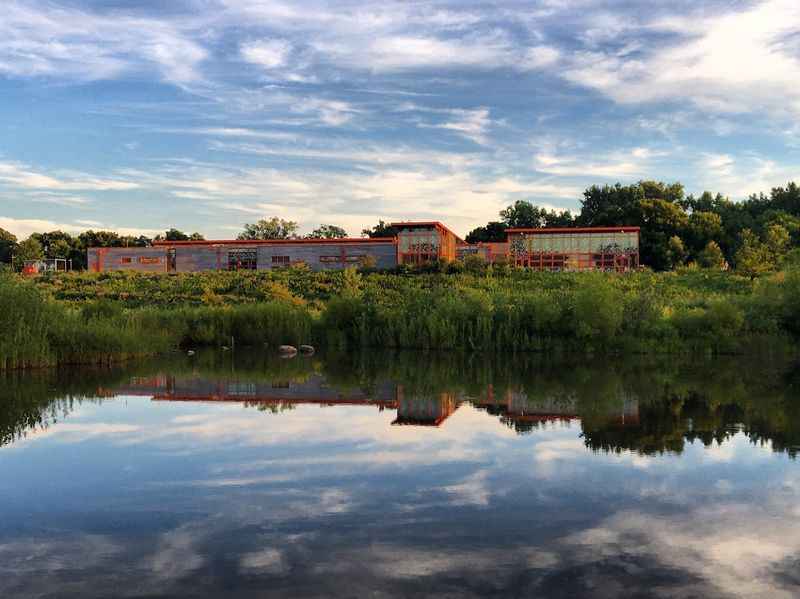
242 259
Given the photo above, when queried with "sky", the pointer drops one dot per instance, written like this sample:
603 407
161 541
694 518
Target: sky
208 114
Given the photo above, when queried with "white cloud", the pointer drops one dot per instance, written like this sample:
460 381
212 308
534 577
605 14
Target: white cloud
739 61
18 175
269 54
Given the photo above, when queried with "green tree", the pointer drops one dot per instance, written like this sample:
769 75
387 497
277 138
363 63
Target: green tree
661 220
492 231
274 228
382 229
711 256
30 249
753 257
8 245
327 232
703 227
676 252
177 235
777 242
524 214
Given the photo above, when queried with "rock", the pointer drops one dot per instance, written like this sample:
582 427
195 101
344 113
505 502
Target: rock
287 350
190 352
307 349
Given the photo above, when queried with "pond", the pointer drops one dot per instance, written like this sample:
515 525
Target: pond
402 474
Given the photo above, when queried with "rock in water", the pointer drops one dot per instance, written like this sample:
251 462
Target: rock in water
307 350
287 350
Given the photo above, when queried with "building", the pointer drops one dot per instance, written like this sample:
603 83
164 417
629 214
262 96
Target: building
557 249
198 256
423 242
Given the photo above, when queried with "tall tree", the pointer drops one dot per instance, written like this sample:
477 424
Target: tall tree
273 228
753 257
30 249
327 232
524 214
8 245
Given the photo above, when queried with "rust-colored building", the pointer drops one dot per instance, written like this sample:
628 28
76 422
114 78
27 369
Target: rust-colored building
423 242
416 243
557 249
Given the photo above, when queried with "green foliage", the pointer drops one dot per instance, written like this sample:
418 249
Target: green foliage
274 228
711 256
8 245
327 232
30 249
382 229
753 257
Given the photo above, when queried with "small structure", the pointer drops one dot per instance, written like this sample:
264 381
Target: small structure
557 249
424 242
32 268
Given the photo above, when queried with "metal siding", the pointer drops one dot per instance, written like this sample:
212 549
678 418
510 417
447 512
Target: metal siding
112 259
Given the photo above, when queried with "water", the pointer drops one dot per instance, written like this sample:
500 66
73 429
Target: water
396 475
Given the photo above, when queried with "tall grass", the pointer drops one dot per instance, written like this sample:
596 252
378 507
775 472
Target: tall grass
93 318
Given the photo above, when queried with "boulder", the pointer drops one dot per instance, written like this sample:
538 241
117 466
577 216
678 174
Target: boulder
287 350
307 349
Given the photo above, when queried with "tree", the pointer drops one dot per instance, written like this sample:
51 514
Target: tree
711 256
8 245
274 228
777 242
660 220
177 235
493 231
30 249
525 214
327 232
676 252
703 227
382 229
753 257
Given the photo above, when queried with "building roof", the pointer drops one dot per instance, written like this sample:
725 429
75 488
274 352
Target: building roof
552 230
428 223
344 241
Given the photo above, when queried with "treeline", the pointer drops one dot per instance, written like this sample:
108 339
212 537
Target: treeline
710 230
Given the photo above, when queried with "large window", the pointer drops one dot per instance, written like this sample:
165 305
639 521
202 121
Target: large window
242 260
280 260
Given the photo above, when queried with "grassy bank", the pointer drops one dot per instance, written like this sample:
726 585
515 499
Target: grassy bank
89 318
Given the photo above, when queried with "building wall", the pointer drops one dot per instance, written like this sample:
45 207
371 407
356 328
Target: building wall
152 259
199 258
324 256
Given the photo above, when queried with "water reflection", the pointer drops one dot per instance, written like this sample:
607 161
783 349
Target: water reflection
646 407
401 475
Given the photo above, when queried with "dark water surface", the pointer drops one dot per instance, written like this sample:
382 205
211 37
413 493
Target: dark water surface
398 475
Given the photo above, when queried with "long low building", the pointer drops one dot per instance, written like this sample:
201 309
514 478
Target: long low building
198 256
415 243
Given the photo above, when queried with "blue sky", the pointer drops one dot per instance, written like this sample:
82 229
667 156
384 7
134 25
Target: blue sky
212 113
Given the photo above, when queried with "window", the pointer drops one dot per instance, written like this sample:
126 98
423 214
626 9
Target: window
355 258
149 260
330 258
280 260
242 259
125 260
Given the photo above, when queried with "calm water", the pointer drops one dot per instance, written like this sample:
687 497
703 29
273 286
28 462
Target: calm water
397 475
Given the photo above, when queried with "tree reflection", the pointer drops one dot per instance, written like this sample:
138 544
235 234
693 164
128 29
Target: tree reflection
648 406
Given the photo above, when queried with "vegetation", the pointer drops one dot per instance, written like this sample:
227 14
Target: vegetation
98 317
